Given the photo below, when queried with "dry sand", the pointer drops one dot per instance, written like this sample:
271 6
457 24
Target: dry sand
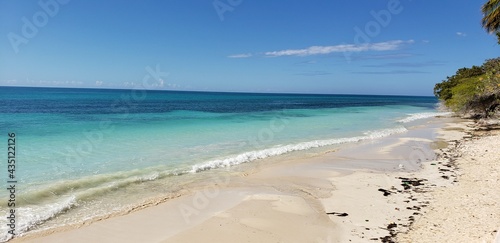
470 210
368 192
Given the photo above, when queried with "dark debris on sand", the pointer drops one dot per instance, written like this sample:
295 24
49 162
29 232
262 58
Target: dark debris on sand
339 214
412 187
446 164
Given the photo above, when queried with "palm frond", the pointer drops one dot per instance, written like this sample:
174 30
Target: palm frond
491 16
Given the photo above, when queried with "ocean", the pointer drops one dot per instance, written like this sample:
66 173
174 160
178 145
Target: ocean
87 153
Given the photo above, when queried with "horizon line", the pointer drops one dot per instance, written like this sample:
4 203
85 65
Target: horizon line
211 91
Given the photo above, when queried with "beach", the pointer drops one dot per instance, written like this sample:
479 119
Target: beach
435 183
250 121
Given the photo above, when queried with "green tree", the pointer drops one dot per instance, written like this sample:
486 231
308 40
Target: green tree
491 17
474 91
443 90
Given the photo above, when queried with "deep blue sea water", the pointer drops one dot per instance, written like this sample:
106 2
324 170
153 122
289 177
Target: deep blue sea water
84 152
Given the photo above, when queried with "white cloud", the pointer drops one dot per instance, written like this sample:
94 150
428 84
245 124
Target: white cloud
323 50
9 82
307 62
240 55
66 83
98 83
173 86
461 34
128 84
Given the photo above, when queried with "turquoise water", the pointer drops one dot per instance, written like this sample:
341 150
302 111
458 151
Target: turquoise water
84 152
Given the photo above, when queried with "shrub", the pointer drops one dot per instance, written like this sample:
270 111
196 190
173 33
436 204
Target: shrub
473 90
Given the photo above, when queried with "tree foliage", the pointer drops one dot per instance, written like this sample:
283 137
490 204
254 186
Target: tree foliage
491 17
474 90
443 90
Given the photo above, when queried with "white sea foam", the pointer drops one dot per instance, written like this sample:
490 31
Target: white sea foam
384 132
266 153
423 115
33 215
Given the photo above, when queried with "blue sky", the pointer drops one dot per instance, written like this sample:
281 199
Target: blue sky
324 46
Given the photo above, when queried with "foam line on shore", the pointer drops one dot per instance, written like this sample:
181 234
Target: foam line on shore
423 115
266 153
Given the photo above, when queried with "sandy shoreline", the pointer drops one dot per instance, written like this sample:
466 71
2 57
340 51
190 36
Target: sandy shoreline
470 210
373 191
